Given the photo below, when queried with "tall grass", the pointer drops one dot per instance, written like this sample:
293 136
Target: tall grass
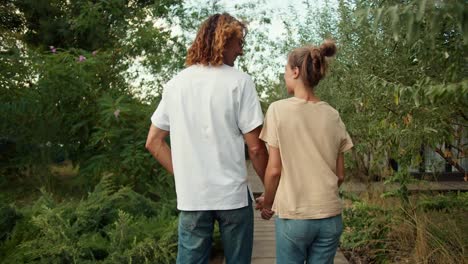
427 230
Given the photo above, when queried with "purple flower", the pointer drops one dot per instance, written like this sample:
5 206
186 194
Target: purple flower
53 49
117 113
81 58
94 53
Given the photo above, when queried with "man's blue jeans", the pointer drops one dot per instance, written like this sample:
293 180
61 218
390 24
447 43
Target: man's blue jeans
312 240
196 233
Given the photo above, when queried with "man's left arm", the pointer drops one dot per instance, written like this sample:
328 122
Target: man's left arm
257 152
272 179
157 146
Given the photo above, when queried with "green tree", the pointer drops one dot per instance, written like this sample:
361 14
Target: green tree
397 93
60 60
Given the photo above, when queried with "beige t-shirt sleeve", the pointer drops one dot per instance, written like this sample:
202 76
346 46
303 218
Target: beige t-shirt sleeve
346 142
269 132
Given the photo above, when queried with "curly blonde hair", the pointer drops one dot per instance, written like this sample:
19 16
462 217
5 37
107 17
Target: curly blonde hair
214 33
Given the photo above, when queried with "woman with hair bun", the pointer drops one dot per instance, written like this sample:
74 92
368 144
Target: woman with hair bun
306 140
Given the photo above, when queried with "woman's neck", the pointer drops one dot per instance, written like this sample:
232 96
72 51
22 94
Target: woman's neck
305 93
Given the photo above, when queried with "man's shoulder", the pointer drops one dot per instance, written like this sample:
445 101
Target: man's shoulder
180 76
184 72
232 73
238 72
221 68
227 73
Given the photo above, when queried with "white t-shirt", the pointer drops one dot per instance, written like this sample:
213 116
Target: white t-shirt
207 110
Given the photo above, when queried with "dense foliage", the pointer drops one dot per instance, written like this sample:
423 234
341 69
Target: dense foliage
66 77
79 80
67 95
428 230
110 225
398 81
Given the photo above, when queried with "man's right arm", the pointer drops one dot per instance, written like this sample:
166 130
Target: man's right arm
158 147
257 152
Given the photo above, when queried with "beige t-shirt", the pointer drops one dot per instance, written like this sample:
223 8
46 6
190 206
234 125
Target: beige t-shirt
309 136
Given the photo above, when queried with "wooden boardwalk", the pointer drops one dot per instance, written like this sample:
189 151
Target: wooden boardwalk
357 187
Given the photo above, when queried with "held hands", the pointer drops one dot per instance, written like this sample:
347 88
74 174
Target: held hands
259 203
266 213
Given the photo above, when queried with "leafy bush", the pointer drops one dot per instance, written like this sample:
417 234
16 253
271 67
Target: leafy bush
62 77
365 230
8 218
444 202
120 139
112 225
426 229
430 236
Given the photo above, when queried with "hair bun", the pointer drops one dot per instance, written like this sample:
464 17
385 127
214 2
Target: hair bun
328 48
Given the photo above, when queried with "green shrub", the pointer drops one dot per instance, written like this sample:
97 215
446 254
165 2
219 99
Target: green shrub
427 229
365 230
111 225
444 202
8 219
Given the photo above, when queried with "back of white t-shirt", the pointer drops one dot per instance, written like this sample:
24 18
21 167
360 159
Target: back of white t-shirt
207 110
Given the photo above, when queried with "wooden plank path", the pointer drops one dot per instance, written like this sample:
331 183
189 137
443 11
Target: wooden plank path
358 187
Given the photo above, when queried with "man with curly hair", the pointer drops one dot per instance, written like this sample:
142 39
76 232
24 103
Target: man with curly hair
210 109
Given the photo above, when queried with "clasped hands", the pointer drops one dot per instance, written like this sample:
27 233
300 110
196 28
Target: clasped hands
265 212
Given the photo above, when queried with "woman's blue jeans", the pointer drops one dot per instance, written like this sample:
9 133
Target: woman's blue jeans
196 232
313 240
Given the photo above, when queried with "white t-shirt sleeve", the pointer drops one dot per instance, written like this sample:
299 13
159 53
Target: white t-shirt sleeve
250 114
160 117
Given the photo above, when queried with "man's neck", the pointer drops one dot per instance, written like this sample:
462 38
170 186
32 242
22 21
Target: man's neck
228 62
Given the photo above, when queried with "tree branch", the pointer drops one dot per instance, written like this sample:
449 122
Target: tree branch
455 147
450 161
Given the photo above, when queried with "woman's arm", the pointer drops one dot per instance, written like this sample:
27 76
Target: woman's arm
340 170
